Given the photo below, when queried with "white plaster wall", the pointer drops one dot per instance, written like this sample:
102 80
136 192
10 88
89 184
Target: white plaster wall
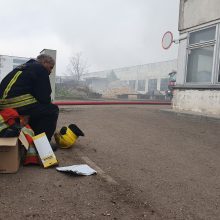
181 63
205 101
51 53
146 87
140 72
147 71
158 84
6 64
197 12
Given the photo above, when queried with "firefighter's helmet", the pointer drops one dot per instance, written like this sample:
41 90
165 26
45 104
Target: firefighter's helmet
67 136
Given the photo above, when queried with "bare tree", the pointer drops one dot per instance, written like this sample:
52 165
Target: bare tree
77 66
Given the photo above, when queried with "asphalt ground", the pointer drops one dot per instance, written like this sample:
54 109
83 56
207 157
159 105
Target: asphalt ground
150 163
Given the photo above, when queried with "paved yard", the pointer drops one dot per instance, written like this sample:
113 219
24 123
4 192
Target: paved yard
151 165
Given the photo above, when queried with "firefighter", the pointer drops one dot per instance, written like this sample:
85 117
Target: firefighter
27 89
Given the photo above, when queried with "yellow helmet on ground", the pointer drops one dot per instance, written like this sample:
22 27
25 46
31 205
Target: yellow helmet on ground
68 136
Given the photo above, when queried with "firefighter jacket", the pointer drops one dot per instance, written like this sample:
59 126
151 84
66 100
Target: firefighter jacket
27 84
11 124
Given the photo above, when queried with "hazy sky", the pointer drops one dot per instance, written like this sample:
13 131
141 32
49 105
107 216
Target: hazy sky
109 33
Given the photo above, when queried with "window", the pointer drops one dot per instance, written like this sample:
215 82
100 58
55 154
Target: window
141 85
132 84
201 49
200 65
14 66
17 61
202 36
152 85
164 84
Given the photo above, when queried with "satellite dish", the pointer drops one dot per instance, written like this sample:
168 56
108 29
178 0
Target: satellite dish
167 40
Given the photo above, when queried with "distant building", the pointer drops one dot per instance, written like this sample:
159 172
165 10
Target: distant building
198 76
8 63
140 79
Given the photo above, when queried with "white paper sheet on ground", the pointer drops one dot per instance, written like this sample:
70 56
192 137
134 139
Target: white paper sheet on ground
82 169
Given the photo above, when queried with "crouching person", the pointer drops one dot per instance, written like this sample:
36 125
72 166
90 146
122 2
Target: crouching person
27 89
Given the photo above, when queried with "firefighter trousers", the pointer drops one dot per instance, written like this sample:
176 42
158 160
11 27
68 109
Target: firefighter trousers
42 118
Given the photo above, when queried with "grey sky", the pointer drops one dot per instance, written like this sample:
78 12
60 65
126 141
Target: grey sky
109 33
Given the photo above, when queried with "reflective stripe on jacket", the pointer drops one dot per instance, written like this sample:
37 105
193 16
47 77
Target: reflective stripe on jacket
25 85
3 125
10 84
18 101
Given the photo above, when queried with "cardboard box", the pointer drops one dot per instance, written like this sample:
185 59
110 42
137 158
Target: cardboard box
45 151
10 153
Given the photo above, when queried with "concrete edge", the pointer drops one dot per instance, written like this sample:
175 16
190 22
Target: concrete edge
193 115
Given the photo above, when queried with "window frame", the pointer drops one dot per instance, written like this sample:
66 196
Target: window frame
216 55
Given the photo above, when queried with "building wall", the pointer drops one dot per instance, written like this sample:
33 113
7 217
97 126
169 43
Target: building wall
201 96
8 63
197 12
140 73
181 62
53 54
206 102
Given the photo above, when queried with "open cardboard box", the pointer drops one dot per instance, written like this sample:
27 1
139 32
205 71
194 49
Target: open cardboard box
10 153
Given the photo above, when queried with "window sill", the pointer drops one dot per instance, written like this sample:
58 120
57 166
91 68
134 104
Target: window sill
211 87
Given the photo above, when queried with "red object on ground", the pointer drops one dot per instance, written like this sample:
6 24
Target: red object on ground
31 157
31 160
112 103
